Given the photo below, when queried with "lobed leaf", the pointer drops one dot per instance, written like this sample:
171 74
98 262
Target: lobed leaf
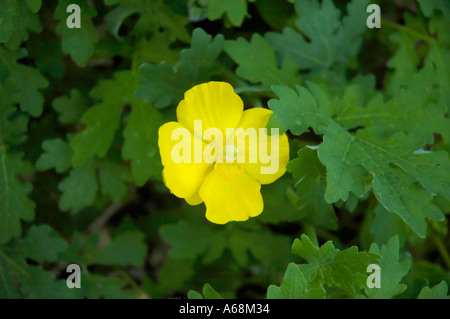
78 42
344 269
295 286
20 279
257 62
392 270
324 40
15 205
437 292
236 10
26 80
404 180
163 84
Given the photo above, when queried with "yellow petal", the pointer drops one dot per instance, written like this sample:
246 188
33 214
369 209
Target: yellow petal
246 135
257 118
183 179
255 169
194 200
230 194
167 145
215 103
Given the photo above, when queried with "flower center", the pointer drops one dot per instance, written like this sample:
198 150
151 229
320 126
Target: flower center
228 171
231 153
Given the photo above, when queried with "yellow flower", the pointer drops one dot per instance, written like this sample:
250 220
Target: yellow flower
229 179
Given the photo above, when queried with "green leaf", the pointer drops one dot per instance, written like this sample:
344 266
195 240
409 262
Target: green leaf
27 81
8 17
46 52
236 10
192 240
276 15
297 110
408 57
154 50
70 108
20 279
437 292
197 10
105 287
165 85
405 60
385 144
34 5
394 188
331 40
192 294
167 282
392 270
428 7
386 225
160 84
279 202
208 293
439 58
141 142
15 205
79 188
78 42
41 284
434 273
24 20
344 269
16 20
271 255
309 175
153 16
116 17
201 238
40 244
439 26
13 124
258 64
294 286
123 250
102 119
113 178
57 155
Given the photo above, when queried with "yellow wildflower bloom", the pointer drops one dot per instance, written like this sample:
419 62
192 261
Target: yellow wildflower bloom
229 179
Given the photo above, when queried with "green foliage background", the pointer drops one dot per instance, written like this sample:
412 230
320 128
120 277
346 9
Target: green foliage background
366 111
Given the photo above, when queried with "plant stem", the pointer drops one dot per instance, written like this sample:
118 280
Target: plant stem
441 247
256 89
408 30
101 221
133 283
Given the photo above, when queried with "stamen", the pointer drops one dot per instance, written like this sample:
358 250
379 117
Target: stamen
231 153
